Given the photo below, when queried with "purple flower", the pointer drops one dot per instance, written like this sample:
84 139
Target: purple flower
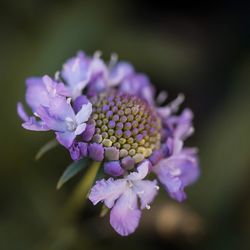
40 90
179 170
114 118
121 196
60 117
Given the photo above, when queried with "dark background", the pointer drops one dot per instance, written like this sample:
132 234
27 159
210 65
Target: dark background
200 50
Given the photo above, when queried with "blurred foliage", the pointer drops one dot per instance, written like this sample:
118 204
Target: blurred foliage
202 52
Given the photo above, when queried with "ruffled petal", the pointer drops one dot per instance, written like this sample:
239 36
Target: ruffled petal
177 172
142 171
76 73
147 191
107 191
125 215
51 121
60 108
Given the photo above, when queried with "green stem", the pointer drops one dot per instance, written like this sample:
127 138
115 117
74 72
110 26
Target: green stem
79 195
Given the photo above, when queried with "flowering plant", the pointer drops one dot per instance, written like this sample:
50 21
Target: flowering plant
109 114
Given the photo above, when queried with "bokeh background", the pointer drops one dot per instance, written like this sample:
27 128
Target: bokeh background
202 51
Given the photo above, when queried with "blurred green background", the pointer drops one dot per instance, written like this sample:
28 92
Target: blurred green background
202 51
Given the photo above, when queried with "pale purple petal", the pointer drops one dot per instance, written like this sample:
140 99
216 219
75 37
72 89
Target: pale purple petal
119 72
147 191
142 171
62 90
76 73
138 84
80 128
125 215
21 112
60 108
182 124
51 122
97 85
174 146
36 93
84 113
34 125
30 123
65 138
177 172
97 68
107 191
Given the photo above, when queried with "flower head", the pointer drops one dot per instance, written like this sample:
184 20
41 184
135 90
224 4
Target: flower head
109 114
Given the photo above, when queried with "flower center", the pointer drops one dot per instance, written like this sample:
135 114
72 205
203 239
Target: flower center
127 123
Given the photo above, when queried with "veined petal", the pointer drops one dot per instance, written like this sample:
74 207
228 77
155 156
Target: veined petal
60 108
51 122
125 215
146 190
84 113
108 191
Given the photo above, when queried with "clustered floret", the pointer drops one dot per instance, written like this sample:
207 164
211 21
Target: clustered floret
109 113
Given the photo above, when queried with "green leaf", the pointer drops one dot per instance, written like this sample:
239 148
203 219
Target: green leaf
45 148
71 171
77 201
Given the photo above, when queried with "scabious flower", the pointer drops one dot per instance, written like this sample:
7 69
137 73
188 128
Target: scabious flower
109 114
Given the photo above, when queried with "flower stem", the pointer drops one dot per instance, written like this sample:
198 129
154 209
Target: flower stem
79 195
